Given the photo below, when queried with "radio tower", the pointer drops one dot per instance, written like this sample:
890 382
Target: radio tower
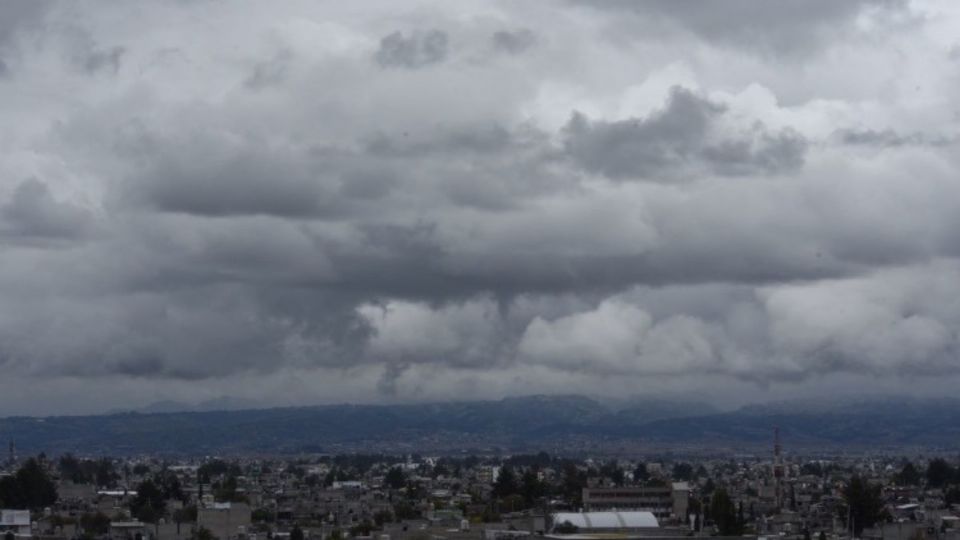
778 467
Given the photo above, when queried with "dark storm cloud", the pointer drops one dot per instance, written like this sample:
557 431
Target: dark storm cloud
101 59
270 72
890 138
680 141
205 175
17 14
414 50
33 214
202 173
483 140
513 42
304 200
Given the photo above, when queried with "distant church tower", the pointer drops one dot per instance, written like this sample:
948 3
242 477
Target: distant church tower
13 452
778 467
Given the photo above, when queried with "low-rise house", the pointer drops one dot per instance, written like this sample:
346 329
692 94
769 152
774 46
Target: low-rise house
15 521
225 520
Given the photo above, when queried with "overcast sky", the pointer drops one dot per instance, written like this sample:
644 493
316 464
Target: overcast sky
313 202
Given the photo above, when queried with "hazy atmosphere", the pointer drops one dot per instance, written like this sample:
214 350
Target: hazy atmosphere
284 203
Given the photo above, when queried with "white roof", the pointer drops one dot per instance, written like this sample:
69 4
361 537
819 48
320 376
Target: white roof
15 518
607 520
126 524
117 492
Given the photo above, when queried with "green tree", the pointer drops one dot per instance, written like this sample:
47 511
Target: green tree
187 514
361 529
574 480
106 474
202 533
72 469
863 504
506 483
404 510
513 503
489 515
395 479
531 487
30 488
149 504
908 476
682 471
709 486
939 473
169 485
640 474
383 516
951 496
613 471
95 524
226 490
262 515
724 514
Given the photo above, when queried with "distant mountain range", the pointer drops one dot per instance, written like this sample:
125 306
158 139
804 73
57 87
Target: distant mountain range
223 403
554 423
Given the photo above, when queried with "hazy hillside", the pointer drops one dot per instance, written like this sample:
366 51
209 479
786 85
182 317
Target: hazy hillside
514 423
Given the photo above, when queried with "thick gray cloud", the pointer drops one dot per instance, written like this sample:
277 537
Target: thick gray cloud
888 138
514 42
791 27
201 174
33 214
681 140
418 49
96 60
17 15
309 204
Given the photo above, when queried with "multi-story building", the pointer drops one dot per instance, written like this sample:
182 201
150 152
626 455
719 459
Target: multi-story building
669 501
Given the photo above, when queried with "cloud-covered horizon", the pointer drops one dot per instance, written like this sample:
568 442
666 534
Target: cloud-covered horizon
315 202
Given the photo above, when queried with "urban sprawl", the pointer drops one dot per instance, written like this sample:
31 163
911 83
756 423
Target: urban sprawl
502 497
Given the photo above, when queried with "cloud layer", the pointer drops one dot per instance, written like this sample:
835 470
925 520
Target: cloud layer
312 203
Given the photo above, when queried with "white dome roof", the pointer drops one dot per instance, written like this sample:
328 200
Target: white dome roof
607 520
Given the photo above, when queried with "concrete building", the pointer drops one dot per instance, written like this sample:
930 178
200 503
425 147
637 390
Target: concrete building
128 530
663 502
225 520
15 521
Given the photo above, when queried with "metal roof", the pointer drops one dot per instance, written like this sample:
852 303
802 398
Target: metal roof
607 520
15 518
